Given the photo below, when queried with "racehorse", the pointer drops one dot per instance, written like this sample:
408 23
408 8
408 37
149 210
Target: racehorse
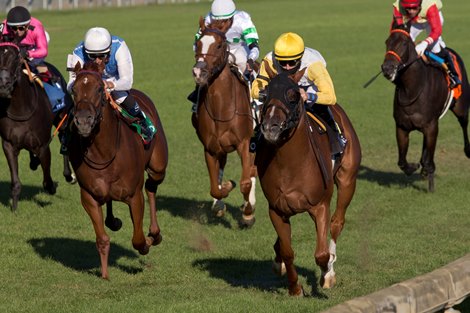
421 95
223 120
109 160
26 120
297 174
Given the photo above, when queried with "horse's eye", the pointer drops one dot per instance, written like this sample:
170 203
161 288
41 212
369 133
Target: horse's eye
292 96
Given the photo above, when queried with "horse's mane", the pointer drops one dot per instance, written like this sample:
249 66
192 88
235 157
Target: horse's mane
91 66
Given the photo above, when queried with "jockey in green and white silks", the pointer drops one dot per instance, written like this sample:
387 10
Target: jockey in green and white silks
99 46
241 36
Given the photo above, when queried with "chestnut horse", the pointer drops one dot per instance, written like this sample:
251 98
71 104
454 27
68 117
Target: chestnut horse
421 95
26 120
297 175
109 160
223 120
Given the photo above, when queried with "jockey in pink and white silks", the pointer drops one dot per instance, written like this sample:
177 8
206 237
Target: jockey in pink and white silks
426 15
99 46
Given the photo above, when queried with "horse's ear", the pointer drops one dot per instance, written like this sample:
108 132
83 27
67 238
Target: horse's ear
298 75
101 67
268 69
202 25
77 67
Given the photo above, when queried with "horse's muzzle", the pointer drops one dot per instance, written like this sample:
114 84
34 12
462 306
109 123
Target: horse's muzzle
271 132
389 70
200 73
6 84
84 123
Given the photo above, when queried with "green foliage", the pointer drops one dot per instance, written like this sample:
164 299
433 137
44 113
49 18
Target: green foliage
394 229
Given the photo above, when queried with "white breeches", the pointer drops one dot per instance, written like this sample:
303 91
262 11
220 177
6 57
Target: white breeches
417 28
239 56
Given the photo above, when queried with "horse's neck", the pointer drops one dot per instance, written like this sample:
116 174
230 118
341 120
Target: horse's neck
23 96
298 141
107 131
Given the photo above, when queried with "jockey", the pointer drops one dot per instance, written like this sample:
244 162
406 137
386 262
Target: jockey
426 15
29 33
242 37
316 87
99 46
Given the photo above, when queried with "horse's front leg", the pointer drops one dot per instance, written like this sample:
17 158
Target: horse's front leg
427 155
285 253
320 214
403 140
247 184
218 188
11 154
93 208
45 157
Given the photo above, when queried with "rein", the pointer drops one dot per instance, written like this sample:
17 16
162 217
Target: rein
402 65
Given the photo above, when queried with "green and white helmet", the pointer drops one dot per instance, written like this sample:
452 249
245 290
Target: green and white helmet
222 9
97 40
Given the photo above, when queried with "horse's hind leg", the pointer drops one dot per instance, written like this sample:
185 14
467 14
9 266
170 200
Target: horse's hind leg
284 252
111 221
34 161
403 142
136 207
11 154
69 176
45 157
427 154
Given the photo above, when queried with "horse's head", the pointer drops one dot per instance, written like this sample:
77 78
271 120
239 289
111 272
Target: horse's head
400 52
211 51
283 105
10 68
89 97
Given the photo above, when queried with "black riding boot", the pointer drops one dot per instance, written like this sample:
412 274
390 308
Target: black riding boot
454 77
337 140
193 97
146 125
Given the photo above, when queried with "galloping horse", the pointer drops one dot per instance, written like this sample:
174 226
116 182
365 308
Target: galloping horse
421 95
109 160
223 120
26 120
297 175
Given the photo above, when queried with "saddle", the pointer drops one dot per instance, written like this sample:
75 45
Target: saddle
435 61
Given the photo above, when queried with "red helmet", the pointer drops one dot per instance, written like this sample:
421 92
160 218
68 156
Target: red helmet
410 3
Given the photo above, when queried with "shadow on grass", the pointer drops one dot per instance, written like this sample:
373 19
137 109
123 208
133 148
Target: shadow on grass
82 255
27 192
389 179
255 274
199 211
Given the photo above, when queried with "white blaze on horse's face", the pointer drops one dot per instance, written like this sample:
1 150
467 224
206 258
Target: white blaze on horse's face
85 81
206 42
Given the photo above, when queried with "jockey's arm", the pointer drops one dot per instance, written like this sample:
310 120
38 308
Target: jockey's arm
70 65
261 80
125 69
321 78
39 35
434 21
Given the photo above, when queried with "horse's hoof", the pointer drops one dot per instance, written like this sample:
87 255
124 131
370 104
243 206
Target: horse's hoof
157 239
34 163
247 221
114 224
297 292
410 168
71 179
279 268
145 250
219 208
229 185
328 280
50 188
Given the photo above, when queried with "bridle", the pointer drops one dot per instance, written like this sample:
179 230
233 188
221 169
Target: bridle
217 69
401 65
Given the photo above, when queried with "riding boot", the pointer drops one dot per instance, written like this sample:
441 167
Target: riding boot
337 140
193 97
147 128
454 77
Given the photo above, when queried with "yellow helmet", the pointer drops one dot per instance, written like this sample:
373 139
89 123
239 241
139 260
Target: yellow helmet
289 46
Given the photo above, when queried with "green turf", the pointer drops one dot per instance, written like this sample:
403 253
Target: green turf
394 229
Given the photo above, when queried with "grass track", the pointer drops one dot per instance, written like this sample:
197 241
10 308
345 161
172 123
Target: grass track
394 230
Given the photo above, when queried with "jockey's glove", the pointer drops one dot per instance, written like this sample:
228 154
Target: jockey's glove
421 47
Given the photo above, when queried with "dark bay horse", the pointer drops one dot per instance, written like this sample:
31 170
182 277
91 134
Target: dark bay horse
421 95
26 120
109 160
297 175
223 120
